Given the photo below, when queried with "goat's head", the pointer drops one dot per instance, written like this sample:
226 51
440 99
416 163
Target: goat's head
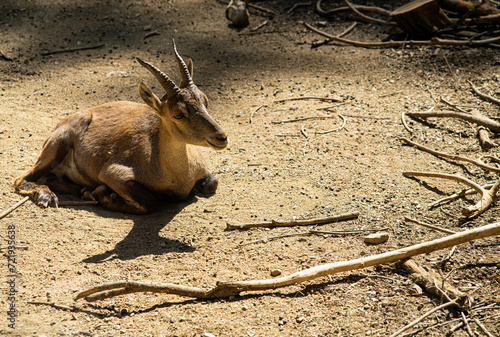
183 108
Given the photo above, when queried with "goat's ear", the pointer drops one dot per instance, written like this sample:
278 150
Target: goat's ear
150 98
190 67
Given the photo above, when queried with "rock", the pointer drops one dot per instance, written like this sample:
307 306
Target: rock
275 272
377 238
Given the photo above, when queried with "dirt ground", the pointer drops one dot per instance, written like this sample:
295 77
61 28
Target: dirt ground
270 171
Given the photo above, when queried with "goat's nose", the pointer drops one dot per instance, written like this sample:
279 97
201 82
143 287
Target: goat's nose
222 137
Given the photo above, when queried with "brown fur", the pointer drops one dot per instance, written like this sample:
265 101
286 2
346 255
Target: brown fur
130 154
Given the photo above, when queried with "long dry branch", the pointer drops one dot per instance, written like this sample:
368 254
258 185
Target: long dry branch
391 44
274 223
13 207
452 156
366 17
480 120
372 9
483 95
488 196
231 288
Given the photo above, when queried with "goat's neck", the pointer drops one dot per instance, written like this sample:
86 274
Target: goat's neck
173 154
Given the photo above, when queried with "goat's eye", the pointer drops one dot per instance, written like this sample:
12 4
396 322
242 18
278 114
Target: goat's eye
179 116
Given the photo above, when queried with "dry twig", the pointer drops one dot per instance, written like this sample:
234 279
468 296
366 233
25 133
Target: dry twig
366 17
255 111
484 96
430 312
231 288
12 208
344 120
488 196
294 7
332 99
301 119
482 327
70 50
435 228
313 232
451 156
274 223
391 44
371 9
403 119
53 305
457 195
480 120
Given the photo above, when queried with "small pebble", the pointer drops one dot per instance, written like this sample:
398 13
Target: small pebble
377 238
275 272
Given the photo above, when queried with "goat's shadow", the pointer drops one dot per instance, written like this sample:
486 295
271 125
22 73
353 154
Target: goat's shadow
144 238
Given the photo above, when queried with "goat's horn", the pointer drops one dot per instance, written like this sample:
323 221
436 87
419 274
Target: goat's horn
186 79
167 84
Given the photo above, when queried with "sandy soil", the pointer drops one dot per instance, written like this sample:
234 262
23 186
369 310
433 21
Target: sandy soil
270 171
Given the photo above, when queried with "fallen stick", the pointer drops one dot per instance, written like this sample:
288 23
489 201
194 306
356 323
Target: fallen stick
484 138
423 224
457 195
415 322
332 99
77 203
344 120
482 327
312 232
488 196
301 119
255 110
294 7
372 9
484 96
274 223
345 32
231 288
391 44
480 120
452 156
70 50
12 208
366 17
53 305
403 119
430 280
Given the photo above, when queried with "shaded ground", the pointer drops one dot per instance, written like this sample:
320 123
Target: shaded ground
270 171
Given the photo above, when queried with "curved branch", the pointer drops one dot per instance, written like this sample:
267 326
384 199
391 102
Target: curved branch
231 288
454 177
480 120
451 156
488 196
366 17
372 9
390 44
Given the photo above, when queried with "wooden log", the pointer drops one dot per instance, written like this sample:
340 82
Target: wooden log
420 18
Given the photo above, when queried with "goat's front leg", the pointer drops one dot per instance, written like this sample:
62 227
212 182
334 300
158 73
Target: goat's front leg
121 193
207 185
134 198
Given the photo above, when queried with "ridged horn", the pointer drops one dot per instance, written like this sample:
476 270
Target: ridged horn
186 79
170 88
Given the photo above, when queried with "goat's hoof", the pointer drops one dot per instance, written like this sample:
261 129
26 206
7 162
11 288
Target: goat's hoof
87 194
46 199
208 185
